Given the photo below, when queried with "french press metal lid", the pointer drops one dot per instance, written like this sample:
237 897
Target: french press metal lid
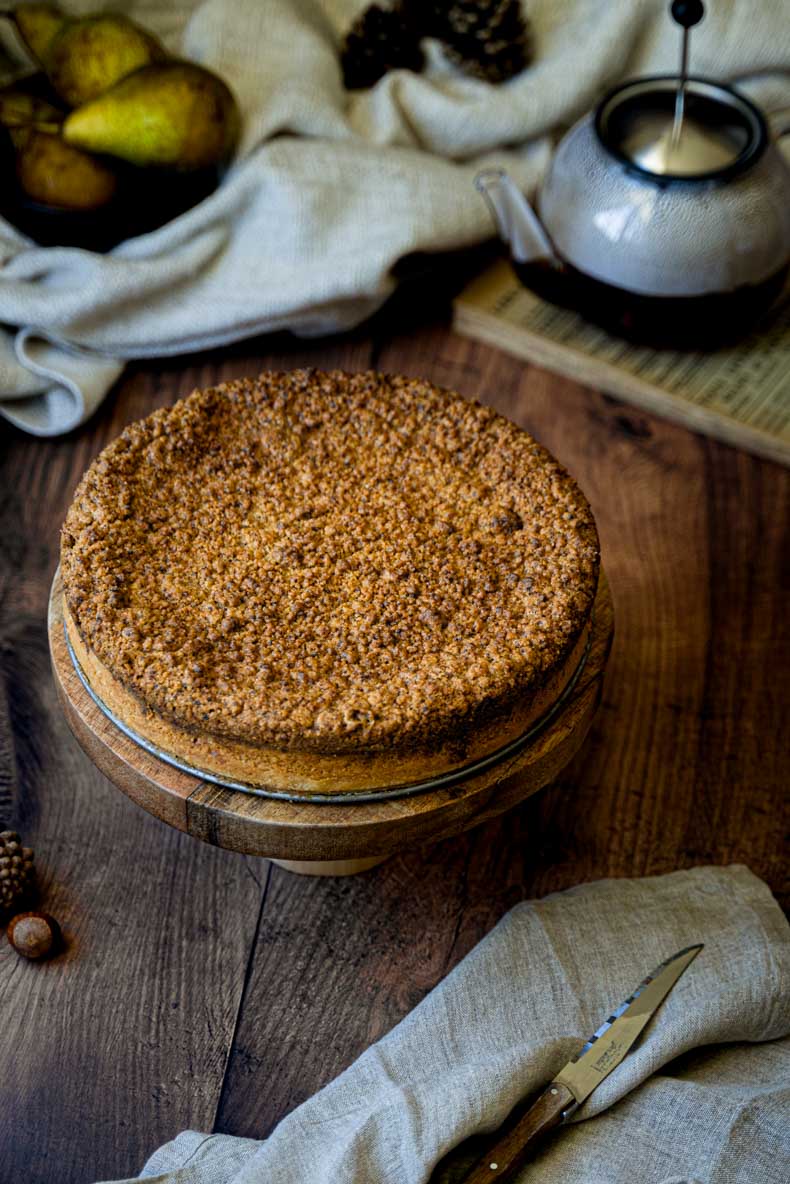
680 127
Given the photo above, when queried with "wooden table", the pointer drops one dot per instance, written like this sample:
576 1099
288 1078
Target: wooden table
211 990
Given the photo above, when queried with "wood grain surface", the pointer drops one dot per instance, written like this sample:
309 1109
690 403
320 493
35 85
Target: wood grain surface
206 989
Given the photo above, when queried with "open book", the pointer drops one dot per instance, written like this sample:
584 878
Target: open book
739 394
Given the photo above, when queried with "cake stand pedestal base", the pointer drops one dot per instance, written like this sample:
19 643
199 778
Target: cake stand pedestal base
330 867
313 838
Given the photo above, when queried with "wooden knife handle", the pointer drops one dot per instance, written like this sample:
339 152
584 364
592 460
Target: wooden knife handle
512 1151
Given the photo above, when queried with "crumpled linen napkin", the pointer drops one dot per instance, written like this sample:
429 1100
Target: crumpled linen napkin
330 190
704 1097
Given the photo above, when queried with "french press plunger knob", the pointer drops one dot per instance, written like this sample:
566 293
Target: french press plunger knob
687 12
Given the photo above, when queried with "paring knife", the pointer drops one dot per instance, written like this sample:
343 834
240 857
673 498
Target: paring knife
602 1053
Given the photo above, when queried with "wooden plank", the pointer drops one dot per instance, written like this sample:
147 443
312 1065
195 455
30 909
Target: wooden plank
742 787
122 1041
337 963
685 764
696 543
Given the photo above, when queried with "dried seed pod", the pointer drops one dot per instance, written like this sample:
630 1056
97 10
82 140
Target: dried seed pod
381 39
16 869
488 39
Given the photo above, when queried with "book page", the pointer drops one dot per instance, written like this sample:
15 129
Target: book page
744 389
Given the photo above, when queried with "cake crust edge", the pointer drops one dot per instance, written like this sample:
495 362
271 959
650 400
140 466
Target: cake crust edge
306 771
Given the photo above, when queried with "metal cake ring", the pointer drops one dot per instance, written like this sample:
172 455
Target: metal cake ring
348 797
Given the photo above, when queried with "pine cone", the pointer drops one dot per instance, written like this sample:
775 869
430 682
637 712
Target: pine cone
16 869
381 39
488 39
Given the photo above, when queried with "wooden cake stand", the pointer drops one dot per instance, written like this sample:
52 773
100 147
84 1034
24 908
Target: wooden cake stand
316 838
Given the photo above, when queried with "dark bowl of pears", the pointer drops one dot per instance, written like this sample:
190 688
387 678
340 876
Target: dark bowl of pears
108 137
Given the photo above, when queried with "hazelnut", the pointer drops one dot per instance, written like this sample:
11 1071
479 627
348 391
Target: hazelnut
34 935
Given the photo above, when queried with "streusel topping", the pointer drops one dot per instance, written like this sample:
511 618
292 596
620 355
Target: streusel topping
328 561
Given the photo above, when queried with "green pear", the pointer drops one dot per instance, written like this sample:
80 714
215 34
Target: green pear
89 55
174 114
19 108
56 174
37 25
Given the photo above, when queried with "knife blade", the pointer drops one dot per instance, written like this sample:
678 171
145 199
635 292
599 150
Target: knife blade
574 1083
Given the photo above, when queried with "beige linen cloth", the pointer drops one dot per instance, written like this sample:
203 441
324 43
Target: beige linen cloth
704 1098
330 189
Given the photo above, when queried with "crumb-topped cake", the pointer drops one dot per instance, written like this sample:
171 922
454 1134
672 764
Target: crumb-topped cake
326 581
